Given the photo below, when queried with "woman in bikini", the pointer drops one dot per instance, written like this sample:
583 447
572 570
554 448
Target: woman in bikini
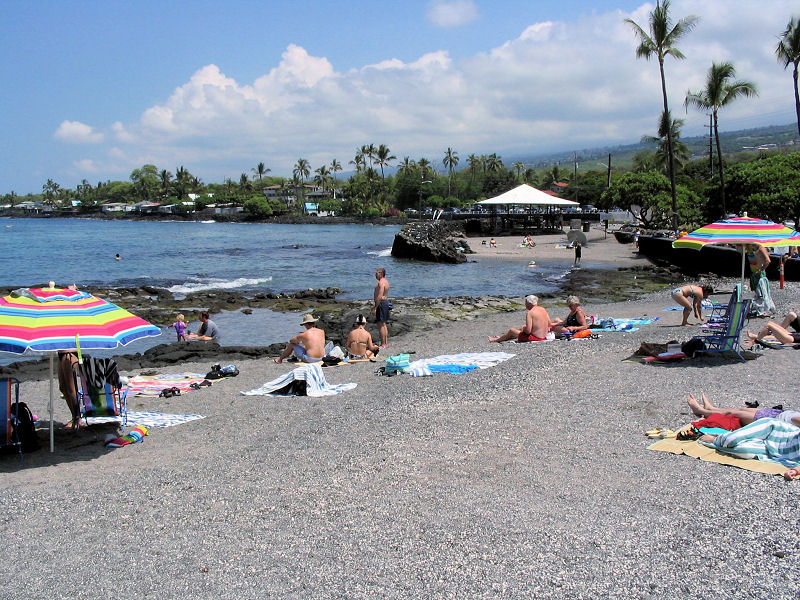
690 297
575 321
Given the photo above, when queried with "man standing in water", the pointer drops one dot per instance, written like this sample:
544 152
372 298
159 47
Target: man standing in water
381 306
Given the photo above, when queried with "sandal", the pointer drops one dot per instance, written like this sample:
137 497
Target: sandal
194 385
166 393
688 435
175 391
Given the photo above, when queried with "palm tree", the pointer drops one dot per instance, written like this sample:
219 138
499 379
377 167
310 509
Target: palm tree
450 161
260 170
662 42
788 52
166 182
244 183
519 168
473 162
301 172
336 166
720 91
182 177
406 166
679 150
424 164
494 163
383 157
322 177
358 159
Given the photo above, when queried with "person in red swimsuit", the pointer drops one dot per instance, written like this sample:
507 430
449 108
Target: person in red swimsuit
537 324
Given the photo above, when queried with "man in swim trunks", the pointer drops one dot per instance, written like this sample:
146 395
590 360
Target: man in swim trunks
382 306
308 346
537 324
359 341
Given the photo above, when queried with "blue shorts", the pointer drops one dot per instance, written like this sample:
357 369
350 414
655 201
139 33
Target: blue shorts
301 354
382 314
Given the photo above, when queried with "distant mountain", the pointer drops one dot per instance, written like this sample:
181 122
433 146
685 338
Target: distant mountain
744 140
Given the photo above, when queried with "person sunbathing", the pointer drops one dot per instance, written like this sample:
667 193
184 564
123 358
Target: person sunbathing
746 415
778 333
308 346
536 327
575 321
359 341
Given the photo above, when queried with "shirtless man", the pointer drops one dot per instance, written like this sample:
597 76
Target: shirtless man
537 324
381 306
359 341
308 346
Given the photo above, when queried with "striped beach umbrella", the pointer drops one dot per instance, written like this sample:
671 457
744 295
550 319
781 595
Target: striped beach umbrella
52 319
742 232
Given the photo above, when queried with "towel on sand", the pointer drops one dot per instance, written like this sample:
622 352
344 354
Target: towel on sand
143 385
148 419
476 360
613 324
309 374
134 436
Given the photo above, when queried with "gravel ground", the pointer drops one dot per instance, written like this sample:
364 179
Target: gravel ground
530 479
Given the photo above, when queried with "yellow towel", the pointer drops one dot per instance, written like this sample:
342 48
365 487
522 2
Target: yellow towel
697 450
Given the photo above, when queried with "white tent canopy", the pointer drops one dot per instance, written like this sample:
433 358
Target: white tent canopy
526 194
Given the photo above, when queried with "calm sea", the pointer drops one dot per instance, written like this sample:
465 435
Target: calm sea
247 257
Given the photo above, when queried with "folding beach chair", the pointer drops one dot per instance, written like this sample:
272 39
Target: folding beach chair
97 385
720 313
9 397
727 339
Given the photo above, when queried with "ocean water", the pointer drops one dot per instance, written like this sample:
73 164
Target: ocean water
186 257
247 257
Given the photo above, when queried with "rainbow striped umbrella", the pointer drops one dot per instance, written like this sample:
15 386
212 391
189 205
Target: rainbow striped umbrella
51 319
742 232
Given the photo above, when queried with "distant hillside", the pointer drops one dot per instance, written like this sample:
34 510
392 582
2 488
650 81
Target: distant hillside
744 140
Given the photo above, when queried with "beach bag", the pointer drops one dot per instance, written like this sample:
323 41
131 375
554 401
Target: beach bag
583 333
24 429
692 347
229 371
397 363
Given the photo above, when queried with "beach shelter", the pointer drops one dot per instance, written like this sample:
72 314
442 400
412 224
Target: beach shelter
527 195
51 319
742 232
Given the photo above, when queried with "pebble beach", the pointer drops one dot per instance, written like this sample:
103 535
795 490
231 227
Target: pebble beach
530 479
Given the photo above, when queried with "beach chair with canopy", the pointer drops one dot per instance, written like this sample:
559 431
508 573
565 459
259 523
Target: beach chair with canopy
727 339
9 392
98 389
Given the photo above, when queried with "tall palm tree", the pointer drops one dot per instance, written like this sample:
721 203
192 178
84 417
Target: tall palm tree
672 128
473 162
322 177
336 166
300 173
383 157
166 182
260 170
484 162
424 164
519 168
358 159
406 166
788 52
494 163
244 183
182 177
450 161
720 91
661 42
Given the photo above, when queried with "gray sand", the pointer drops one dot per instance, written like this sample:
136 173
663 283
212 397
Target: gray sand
530 479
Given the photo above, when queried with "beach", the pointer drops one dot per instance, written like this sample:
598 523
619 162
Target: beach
528 479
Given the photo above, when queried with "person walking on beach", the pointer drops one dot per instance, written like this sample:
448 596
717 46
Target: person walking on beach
577 254
537 324
208 329
382 307
308 346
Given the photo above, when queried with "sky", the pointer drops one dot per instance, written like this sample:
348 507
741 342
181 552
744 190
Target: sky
95 89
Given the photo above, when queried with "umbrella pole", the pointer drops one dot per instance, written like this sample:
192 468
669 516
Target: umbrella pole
742 267
52 444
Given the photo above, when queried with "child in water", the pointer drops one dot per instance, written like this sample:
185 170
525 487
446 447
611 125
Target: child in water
180 328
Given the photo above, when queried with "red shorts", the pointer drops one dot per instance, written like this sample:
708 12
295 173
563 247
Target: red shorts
528 337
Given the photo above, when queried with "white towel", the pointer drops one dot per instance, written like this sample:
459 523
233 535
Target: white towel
310 373
482 360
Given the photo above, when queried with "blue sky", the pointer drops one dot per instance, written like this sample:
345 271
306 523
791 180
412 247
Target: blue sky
93 90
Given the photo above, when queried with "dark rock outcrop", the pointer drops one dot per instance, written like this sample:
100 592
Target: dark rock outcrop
431 241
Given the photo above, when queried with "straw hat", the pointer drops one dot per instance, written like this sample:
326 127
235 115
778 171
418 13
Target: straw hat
309 318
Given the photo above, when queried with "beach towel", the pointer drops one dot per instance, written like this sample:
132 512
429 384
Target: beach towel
612 324
698 450
452 363
149 419
766 439
309 374
153 385
134 436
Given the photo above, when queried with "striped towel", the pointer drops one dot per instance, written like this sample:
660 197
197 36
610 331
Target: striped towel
149 419
311 374
765 439
134 436
143 385
478 360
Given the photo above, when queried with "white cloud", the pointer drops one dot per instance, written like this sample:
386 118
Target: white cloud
86 165
557 85
75 132
452 14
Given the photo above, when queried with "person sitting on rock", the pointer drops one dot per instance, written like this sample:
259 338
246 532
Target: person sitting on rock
359 341
208 329
308 346
536 327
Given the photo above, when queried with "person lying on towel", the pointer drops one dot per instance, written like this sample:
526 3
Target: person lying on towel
308 346
536 327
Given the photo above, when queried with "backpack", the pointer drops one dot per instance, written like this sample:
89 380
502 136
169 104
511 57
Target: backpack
24 429
218 372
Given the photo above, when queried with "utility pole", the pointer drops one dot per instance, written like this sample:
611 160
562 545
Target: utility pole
575 173
608 174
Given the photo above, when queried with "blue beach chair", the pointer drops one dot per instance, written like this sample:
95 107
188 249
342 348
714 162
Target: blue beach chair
720 313
727 338
98 390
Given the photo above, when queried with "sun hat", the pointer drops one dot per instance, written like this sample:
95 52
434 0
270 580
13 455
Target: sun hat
309 318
